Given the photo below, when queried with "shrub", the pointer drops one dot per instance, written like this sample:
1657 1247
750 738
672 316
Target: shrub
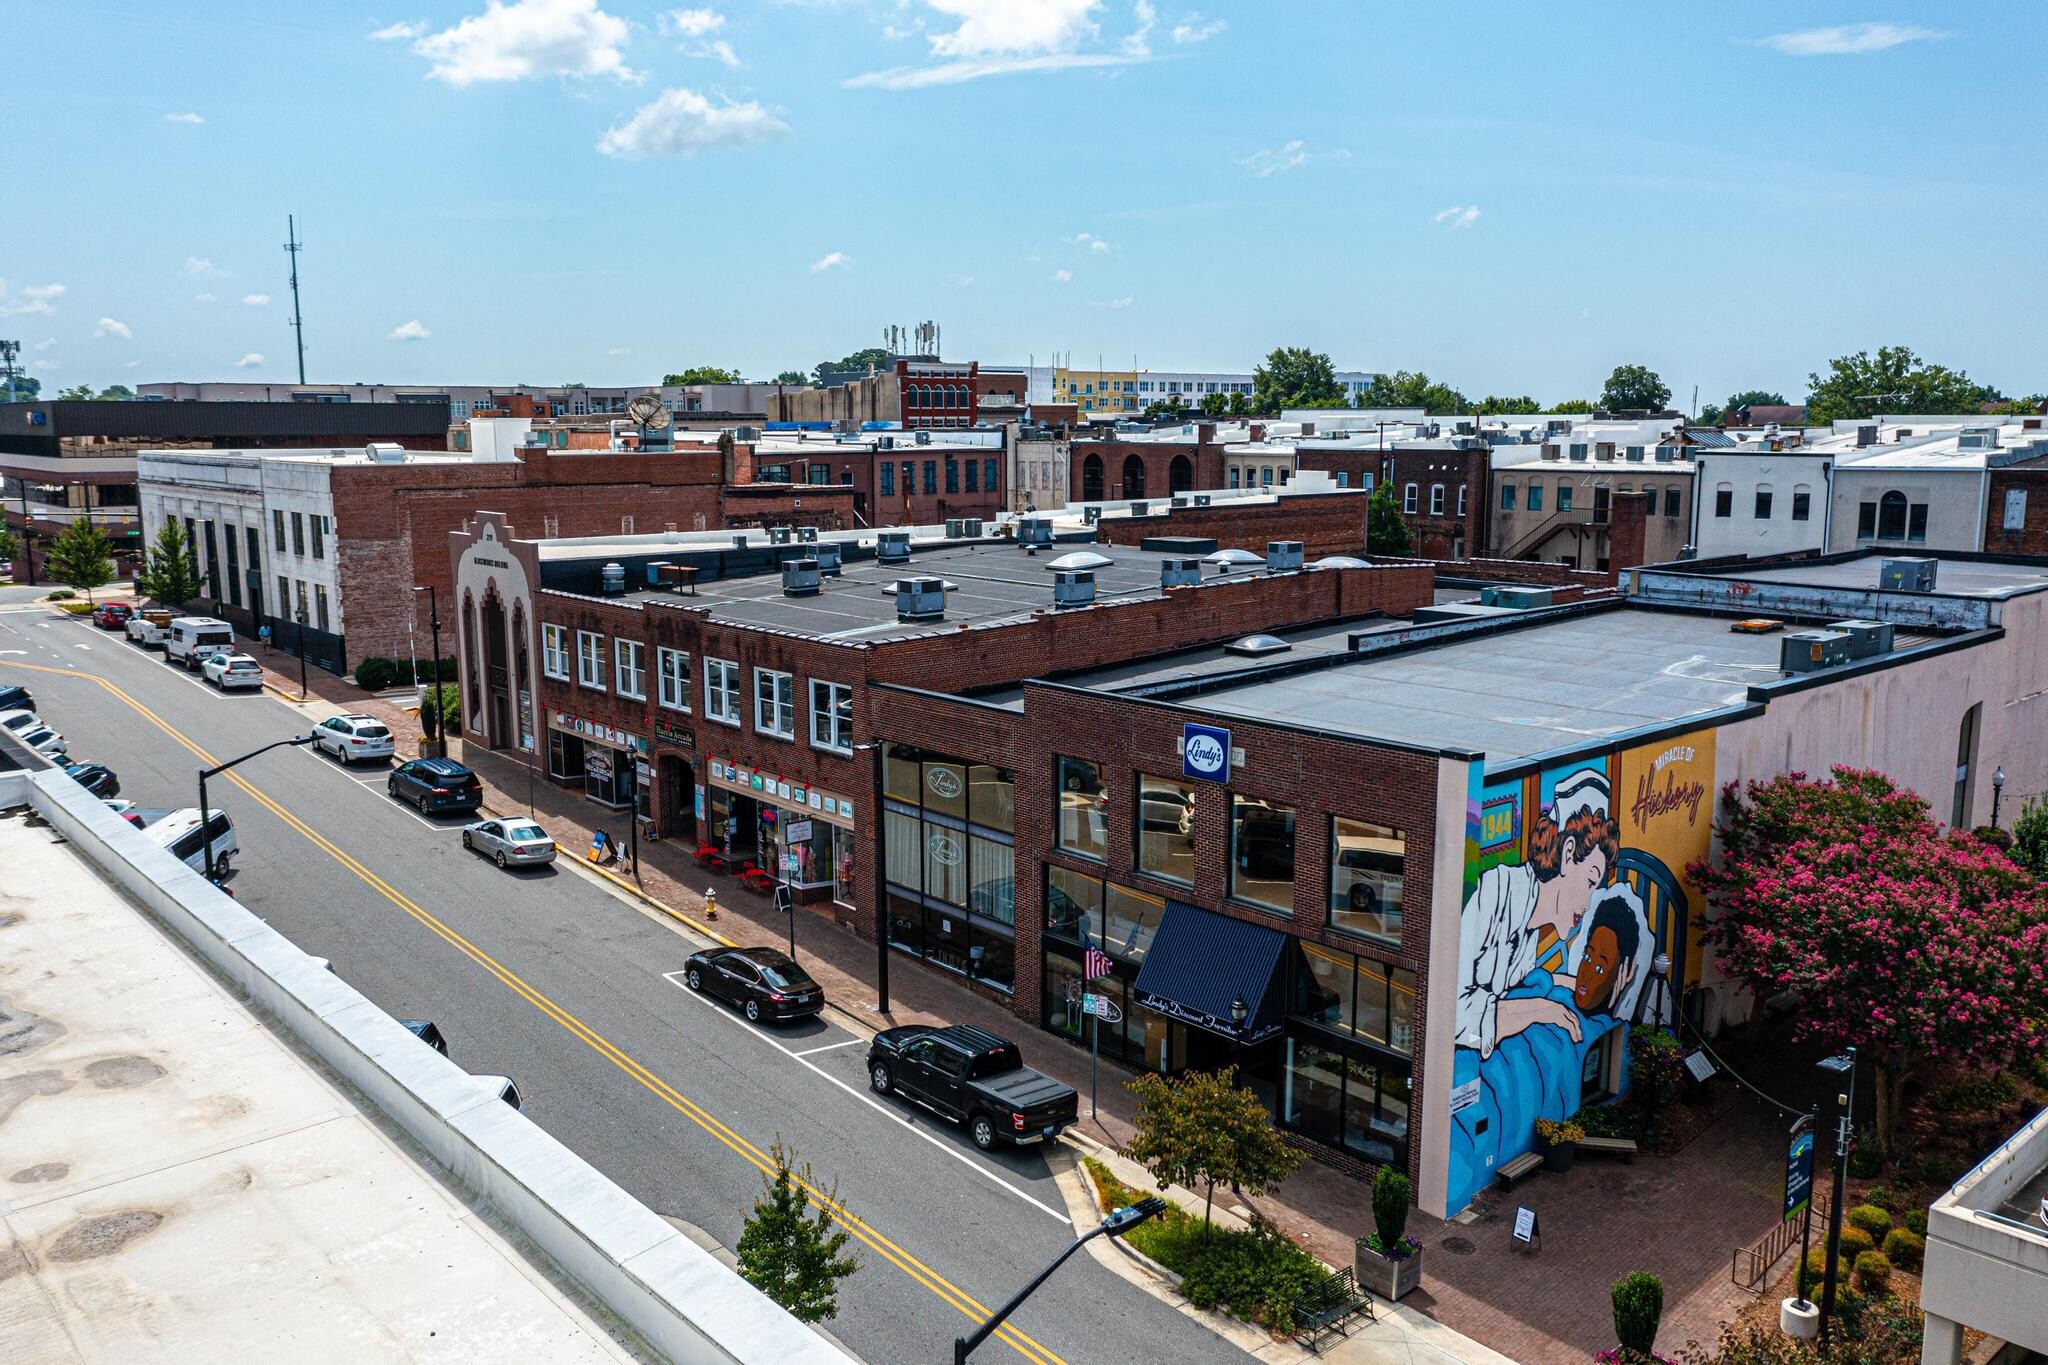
1916 1222
1866 1158
2041 1071
61 595
1977 1094
1997 838
77 608
1881 1197
1390 1195
1638 1303
1813 1279
1873 1272
1655 1064
1622 1119
1254 1275
1855 1241
1904 1249
1559 1133
375 673
1871 1219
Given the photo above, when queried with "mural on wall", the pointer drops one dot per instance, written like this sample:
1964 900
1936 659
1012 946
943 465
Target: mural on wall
1575 927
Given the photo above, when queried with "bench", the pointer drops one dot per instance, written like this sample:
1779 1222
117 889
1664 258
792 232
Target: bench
1328 1305
1625 1148
1512 1172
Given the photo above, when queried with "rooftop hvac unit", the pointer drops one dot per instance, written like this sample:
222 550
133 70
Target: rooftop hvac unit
746 433
924 438
1666 454
613 577
1866 435
1202 500
1515 597
1180 500
956 528
971 527
1906 575
1283 554
1634 454
1073 587
1034 530
1551 452
887 443
807 535
1867 639
827 555
920 599
1180 573
800 578
386 452
1140 509
778 535
1809 651
1603 450
1091 516
1978 438
893 547
739 542
1577 451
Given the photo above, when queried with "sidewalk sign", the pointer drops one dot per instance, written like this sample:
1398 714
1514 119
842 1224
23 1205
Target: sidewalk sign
1526 1231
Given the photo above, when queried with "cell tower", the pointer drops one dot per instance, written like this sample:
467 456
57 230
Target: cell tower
292 247
8 351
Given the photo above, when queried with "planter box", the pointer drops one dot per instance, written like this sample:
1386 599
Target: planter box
1385 1276
1559 1156
433 748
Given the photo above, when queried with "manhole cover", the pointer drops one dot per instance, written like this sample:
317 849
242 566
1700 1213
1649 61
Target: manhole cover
1458 1246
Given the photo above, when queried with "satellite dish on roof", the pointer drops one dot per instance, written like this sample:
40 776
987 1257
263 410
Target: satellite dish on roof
648 410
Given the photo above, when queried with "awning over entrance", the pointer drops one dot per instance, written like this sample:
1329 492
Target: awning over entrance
1200 963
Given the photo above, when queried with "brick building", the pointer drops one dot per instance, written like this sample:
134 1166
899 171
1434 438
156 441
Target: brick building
2016 510
1325 519
1106 465
896 478
1440 486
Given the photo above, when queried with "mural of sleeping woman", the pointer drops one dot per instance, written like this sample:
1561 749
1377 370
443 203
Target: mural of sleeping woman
1569 900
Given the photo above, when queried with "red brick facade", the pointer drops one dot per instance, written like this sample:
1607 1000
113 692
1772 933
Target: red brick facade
2018 493
1104 469
1448 490
1325 524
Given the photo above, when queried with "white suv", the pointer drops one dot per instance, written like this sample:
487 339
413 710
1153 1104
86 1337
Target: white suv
231 670
352 737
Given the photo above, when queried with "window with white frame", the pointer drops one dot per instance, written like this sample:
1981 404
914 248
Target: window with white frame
673 666
1409 496
832 716
722 690
554 651
631 658
1436 499
590 659
775 703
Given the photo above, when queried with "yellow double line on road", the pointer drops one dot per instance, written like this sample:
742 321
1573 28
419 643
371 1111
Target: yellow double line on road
917 1270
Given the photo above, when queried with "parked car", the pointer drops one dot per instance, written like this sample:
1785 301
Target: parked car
36 735
352 737
504 1089
149 627
232 670
763 982
142 817
179 833
6 568
436 785
509 842
19 721
190 638
14 697
424 1030
96 778
974 1077
112 615
1370 872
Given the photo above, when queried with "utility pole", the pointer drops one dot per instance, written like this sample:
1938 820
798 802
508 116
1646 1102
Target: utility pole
292 247
8 351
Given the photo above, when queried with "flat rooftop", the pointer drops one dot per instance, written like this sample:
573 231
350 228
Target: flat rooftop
182 1185
1952 577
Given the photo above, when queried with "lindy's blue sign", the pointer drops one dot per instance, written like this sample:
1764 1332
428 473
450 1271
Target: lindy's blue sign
1205 752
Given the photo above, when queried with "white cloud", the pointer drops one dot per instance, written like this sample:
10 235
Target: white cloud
618 350
1005 37
199 268
1091 243
409 331
695 23
1457 215
962 281
250 361
1289 155
393 33
202 298
680 122
831 260
112 327
256 300
1138 42
1847 39
528 38
1124 302
1062 277
695 27
184 118
45 344
956 73
131 364
1194 30
32 300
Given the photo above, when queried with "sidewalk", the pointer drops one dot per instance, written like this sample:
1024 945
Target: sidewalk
1679 1217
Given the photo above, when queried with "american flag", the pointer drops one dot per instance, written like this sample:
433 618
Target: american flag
1095 963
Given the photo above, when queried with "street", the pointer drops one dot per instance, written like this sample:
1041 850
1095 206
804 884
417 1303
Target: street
563 983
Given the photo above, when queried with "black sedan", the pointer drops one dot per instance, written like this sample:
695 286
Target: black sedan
763 982
96 778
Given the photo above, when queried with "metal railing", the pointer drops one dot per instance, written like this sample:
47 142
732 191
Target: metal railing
1750 1266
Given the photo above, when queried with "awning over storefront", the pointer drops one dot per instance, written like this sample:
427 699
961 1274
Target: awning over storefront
1201 963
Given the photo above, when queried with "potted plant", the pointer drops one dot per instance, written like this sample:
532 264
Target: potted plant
1388 1262
1558 1140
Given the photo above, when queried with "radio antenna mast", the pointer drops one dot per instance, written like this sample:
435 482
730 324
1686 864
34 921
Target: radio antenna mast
292 248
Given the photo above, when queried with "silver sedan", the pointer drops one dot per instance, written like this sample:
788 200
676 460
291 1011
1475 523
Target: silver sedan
509 842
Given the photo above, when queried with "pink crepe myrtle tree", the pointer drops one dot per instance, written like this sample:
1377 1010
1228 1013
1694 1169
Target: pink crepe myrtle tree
1911 944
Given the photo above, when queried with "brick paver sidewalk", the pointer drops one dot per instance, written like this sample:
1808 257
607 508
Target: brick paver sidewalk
1679 1217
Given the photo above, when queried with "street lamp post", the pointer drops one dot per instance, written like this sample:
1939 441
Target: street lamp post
206 812
1846 1104
1997 790
302 655
875 893
434 623
1117 1224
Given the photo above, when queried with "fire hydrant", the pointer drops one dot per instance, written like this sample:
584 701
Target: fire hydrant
711 902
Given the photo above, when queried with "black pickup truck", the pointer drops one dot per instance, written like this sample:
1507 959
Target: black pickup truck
972 1076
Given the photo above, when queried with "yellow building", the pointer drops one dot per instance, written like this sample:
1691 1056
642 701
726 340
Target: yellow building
1097 390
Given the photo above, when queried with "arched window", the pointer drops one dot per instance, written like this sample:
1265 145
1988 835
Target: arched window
1091 479
1409 500
1891 516
1763 502
1234 476
1134 477
1507 497
1802 501
1180 475
1461 504
1436 499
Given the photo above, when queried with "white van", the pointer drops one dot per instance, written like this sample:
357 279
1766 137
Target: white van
179 832
191 637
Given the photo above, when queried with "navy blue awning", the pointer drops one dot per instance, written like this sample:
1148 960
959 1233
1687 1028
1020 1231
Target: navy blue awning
1201 962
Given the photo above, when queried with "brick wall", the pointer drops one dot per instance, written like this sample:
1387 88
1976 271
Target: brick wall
1450 535
1538 572
1325 524
2030 481
1627 531
1203 455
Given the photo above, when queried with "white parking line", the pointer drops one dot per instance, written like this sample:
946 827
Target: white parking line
673 978
378 786
809 1051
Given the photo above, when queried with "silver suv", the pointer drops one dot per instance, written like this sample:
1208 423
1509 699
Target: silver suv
352 737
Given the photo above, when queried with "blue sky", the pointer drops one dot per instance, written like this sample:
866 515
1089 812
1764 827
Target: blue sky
1512 197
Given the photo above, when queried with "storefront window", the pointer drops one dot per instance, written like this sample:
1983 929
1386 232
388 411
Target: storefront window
1062 995
945 786
565 756
1130 919
1073 904
902 774
1166 828
1313 1097
1262 852
992 891
1367 1000
991 797
945 864
959 876
1367 867
1083 810
906 924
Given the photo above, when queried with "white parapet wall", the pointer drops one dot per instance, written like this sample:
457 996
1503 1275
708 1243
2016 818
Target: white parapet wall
1987 1255
676 1294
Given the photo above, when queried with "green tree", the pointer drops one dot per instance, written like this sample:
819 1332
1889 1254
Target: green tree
793 1258
1240 404
115 393
1403 389
81 557
77 393
1163 407
1494 405
440 710
27 388
703 374
1385 532
2030 836
1634 387
1750 398
1201 1128
1895 380
793 377
8 544
1296 377
1571 405
1638 1299
1216 404
858 363
170 573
